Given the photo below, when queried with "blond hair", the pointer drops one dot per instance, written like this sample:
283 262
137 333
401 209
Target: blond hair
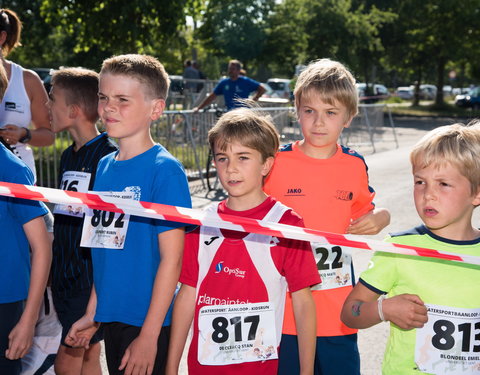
332 81
457 144
81 89
146 69
248 127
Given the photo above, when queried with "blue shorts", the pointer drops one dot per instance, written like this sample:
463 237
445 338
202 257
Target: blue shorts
10 314
69 310
334 355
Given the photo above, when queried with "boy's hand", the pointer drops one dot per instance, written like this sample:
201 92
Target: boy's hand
81 332
407 311
139 358
20 340
370 223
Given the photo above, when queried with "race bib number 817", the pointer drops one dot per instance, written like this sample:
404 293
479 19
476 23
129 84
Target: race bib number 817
239 333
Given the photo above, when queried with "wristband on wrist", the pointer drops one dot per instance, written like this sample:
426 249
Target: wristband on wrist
380 307
26 137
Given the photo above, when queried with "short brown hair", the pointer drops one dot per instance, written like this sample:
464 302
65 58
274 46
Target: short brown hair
457 144
11 24
147 69
248 127
332 81
81 89
237 63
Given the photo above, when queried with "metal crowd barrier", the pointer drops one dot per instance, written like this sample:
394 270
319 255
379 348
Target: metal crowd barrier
184 134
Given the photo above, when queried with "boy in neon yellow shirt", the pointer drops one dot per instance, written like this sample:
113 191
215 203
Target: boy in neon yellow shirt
433 305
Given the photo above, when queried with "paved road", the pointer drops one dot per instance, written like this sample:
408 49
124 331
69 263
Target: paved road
390 175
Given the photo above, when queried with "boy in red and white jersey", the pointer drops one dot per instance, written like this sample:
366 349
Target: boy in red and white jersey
234 283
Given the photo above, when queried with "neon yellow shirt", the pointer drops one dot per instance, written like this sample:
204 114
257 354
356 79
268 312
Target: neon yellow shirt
435 281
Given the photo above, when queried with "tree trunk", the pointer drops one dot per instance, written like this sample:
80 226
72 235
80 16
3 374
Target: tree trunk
440 80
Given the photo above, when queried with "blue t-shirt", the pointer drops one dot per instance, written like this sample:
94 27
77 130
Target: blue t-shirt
238 89
14 213
124 278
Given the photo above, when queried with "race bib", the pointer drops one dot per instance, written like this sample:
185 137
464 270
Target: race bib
334 266
104 229
239 333
449 343
73 181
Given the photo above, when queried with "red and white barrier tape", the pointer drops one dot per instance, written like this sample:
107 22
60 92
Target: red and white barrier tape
201 217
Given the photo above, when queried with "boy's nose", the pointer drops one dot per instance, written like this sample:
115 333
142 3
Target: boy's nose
429 193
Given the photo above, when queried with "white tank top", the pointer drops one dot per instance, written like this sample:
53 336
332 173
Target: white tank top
15 110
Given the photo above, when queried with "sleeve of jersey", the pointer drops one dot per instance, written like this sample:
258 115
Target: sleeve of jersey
218 90
171 189
253 85
190 266
298 266
25 210
364 201
382 273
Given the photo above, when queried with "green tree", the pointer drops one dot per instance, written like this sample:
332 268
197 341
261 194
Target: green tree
286 42
235 28
430 35
99 29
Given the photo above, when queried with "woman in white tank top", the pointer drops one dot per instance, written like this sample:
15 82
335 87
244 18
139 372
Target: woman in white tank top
24 100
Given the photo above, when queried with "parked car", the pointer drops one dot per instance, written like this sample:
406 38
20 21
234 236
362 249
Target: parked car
428 92
470 100
405 92
280 87
176 84
45 75
375 92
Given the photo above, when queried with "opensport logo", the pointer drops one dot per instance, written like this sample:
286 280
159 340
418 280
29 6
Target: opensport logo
219 267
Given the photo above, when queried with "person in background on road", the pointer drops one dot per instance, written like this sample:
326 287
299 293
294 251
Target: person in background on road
24 100
72 105
190 72
337 200
233 88
136 260
432 304
243 272
201 75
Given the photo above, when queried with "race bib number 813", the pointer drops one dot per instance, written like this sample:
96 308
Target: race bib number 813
449 342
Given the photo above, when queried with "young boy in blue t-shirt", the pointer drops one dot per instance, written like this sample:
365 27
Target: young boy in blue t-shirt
23 277
136 260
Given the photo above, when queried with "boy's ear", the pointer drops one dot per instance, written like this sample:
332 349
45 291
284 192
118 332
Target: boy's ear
158 107
476 198
73 111
348 122
267 166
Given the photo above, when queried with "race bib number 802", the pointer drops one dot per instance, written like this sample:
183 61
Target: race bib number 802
104 229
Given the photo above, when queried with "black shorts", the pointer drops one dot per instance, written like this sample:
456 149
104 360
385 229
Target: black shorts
69 310
118 337
10 314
